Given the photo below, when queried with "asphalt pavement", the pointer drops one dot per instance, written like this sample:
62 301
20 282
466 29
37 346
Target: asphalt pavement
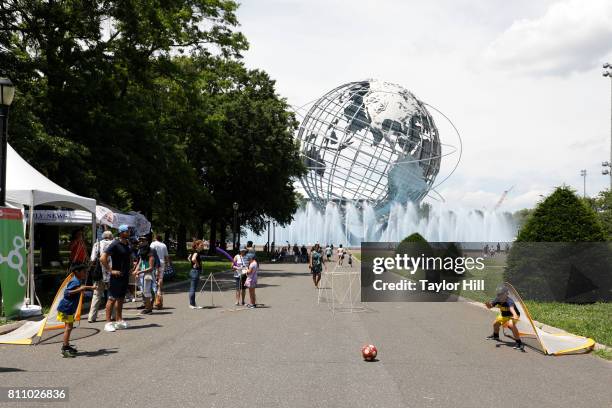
295 352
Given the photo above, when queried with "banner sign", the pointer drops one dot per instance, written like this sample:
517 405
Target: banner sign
13 268
60 217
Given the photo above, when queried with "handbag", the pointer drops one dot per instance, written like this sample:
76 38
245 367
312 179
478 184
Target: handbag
159 301
169 271
95 270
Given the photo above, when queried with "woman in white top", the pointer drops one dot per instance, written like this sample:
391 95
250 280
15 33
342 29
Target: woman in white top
239 266
340 255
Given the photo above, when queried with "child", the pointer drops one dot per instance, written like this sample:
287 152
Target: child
350 259
69 303
251 281
507 317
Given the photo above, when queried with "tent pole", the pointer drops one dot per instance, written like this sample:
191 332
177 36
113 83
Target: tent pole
94 236
32 293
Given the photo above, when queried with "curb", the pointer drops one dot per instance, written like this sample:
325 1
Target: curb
543 326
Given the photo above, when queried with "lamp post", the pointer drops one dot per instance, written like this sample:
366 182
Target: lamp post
235 207
583 173
7 91
608 73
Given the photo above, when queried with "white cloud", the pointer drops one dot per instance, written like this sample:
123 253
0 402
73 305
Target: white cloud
572 36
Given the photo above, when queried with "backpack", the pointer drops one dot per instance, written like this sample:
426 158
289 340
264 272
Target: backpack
95 271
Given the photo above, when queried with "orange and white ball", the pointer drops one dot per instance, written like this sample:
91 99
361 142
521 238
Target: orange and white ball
369 352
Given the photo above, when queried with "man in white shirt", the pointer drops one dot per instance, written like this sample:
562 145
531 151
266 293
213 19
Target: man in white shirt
100 284
164 259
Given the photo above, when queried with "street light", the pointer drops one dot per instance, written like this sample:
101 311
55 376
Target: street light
608 171
583 173
7 91
235 207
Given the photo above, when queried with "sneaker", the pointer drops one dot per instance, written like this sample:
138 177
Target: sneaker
109 327
518 346
68 352
237 303
92 320
121 325
250 306
195 307
493 337
146 311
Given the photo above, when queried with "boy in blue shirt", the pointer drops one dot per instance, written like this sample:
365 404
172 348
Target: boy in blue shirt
507 317
68 305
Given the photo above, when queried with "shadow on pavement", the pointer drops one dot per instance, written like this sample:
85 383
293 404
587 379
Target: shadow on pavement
10 370
144 326
101 352
77 334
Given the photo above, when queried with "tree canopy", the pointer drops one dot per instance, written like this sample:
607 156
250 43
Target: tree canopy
146 105
562 217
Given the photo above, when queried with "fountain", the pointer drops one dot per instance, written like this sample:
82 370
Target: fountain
351 224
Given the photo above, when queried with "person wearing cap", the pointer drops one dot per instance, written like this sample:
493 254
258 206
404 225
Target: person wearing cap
164 261
100 282
120 252
67 307
240 266
508 316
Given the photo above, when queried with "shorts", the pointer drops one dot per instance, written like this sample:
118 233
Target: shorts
66 318
117 288
503 320
250 283
239 281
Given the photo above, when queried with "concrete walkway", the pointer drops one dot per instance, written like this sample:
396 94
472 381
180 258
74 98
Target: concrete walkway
295 353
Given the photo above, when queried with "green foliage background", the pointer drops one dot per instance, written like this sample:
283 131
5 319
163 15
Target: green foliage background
146 105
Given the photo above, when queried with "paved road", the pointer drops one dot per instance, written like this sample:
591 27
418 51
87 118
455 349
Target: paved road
296 353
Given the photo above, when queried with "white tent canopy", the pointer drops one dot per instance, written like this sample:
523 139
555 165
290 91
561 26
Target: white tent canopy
27 186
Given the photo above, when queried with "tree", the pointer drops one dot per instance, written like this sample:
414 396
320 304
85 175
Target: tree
562 217
87 80
602 205
557 247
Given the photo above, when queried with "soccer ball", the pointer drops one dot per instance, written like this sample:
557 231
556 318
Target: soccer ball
369 352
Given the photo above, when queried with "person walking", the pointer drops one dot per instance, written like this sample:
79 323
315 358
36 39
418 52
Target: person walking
120 252
296 253
100 282
304 253
164 262
316 264
195 258
340 255
328 253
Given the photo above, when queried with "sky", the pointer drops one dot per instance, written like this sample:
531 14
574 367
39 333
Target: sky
521 79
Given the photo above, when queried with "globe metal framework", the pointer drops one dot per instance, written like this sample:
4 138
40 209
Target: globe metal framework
370 141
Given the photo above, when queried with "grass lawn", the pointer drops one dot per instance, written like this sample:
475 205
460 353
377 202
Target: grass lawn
183 267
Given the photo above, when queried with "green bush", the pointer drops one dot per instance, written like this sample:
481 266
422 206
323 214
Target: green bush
548 271
562 217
